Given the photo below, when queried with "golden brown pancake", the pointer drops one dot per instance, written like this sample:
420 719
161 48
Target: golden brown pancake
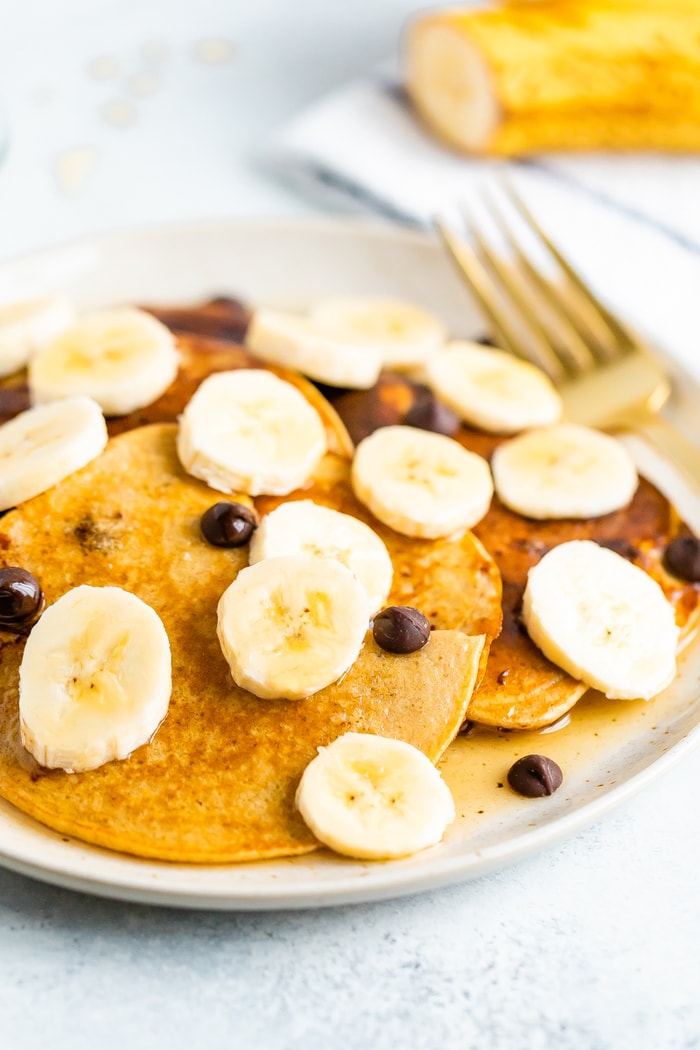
521 689
217 782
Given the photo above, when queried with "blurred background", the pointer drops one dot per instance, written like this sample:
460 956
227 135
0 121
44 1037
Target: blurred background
130 112
138 111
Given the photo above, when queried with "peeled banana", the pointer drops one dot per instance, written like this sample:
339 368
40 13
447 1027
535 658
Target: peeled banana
533 75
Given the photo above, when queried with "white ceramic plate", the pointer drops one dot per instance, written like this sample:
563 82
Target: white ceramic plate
290 263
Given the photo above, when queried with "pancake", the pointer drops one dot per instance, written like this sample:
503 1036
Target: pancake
454 583
217 782
521 689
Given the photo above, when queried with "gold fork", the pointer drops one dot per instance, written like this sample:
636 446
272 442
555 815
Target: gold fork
604 372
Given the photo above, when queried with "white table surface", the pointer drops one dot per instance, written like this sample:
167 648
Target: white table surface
595 943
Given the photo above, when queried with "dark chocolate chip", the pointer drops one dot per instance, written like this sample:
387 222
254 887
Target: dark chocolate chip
21 596
502 677
534 776
228 524
427 413
401 629
682 558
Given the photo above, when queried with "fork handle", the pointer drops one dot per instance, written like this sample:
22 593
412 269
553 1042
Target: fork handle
684 456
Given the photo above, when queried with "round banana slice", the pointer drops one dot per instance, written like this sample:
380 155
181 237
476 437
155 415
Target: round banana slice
248 431
601 619
405 334
304 527
296 342
491 389
42 446
564 471
123 358
421 484
291 626
95 679
374 798
26 327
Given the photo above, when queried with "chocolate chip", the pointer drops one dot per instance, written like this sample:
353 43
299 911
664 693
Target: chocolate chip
427 413
502 677
534 776
401 629
228 524
21 596
682 558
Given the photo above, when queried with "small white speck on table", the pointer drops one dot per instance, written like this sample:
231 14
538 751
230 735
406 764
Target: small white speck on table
130 112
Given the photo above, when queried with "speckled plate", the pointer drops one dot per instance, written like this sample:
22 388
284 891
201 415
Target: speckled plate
607 750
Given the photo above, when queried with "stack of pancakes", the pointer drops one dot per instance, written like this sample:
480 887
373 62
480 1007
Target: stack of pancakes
217 782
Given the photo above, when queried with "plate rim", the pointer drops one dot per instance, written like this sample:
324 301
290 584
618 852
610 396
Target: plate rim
384 883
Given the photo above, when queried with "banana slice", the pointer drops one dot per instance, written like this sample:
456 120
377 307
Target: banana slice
493 390
248 431
26 327
564 471
296 342
304 527
42 446
95 679
602 619
421 484
374 798
405 335
124 359
291 626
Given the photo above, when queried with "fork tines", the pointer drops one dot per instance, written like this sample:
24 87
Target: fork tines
556 322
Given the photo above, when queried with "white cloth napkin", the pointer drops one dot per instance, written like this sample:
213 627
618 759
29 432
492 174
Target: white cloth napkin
363 145
630 223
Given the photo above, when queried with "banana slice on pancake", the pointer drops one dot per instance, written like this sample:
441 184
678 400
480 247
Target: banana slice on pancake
296 342
492 389
374 798
217 782
421 484
122 358
248 431
602 619
564 471
26 327
405 335
306 528
95 679
290 626
44 445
